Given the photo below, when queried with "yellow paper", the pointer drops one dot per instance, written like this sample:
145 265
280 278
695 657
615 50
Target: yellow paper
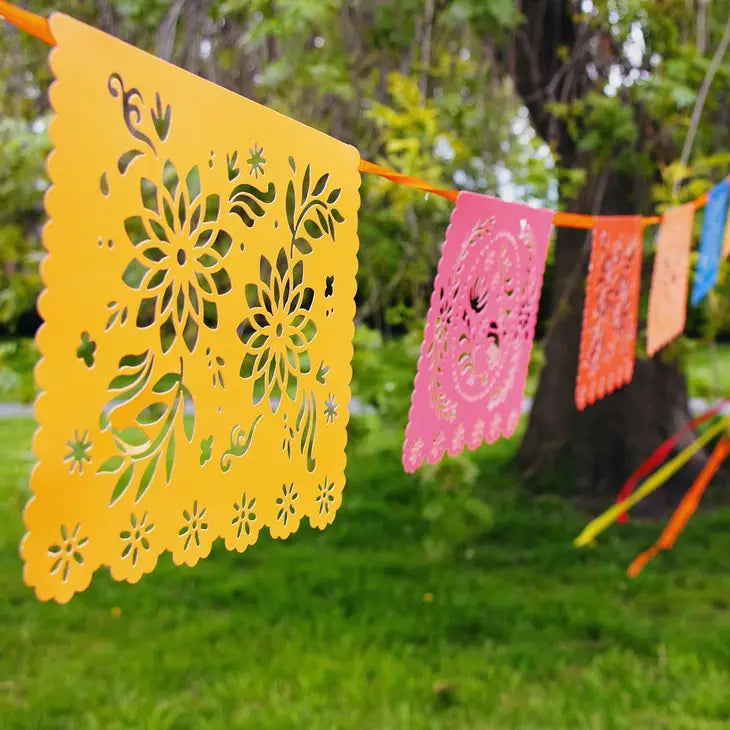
661 475
199 307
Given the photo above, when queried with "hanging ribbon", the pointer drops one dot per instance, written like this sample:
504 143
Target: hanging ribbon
605 520
687 507
662 452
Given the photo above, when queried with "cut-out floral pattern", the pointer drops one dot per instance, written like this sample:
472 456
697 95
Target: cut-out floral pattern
194 526
217 253
285 504
611 311
79 452
136 538
278 331
476 348
245 524
179 264
67 553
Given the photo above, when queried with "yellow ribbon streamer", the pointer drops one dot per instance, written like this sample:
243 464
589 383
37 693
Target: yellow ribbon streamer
605 520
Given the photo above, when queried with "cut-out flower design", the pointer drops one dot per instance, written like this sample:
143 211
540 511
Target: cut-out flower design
277 331
135 538
194 526
244 518
181 248
330 408
67 552
285 508
325 498
79 452
256 162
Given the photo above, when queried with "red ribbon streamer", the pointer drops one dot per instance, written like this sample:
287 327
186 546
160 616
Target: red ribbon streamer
662 452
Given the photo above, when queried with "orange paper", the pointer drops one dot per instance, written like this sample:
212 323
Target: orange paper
199 307
610 315
669 280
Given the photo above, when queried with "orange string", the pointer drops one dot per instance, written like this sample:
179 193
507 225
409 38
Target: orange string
39 27
27 21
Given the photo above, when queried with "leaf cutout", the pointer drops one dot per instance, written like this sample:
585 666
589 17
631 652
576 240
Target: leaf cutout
111 465
313 229
322 220
305 184
189 424
170 457
290 204
292 164
166 383
122 483
334 195
151 414
303 245
133 436
337 215
149 472
321 184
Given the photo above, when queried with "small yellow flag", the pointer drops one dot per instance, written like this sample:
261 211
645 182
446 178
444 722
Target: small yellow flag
199 307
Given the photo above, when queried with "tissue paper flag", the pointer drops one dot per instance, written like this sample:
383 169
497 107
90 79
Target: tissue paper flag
481 322
611 311
199 307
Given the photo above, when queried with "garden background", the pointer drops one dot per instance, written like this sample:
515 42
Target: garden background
452 598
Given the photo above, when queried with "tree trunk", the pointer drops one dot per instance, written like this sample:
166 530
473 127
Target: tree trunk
590 453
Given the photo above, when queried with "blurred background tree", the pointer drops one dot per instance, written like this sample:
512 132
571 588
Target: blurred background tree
581 105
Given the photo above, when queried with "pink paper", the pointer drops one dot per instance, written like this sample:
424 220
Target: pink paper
479 331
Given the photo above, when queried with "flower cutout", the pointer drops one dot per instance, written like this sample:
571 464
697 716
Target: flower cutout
136 538
193 526
330 408
278 331
285 504
325 498
67 551
179 269
245 518
79 452
256 162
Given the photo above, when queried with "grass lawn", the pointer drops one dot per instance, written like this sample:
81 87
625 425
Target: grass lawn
354 628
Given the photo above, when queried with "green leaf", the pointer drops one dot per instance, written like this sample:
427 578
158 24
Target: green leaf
334 195
290 203
313 229
122 381
322 220
149 472
305 184
151 414
321 184
303 245
122 483
170 457
292 164
337 215
111 465
133 436
189 422
166 383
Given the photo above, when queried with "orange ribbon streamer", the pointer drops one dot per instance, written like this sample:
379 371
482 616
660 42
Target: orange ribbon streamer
38 26
687 507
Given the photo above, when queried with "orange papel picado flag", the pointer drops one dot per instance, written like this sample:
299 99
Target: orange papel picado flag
199 307
669 280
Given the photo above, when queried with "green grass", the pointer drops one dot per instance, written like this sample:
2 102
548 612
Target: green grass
330 631
703 380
